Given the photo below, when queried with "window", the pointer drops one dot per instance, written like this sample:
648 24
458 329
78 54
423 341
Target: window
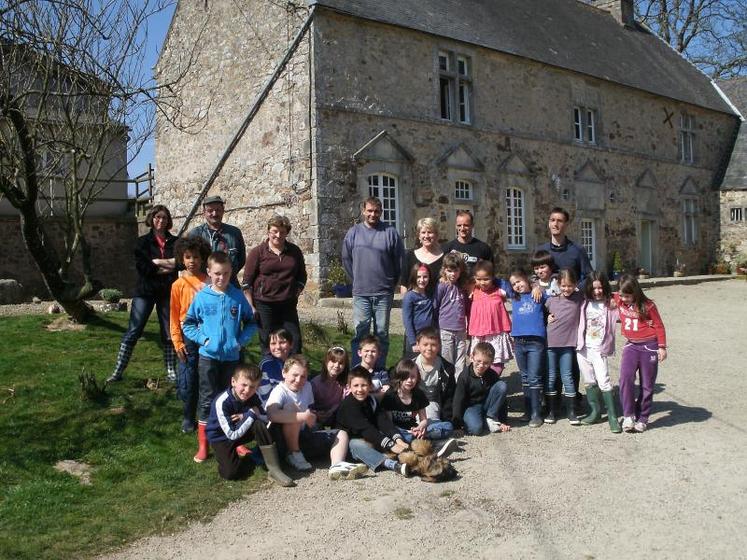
687 138
736 214
455 87
584 125
462 190
588 240
516 238
689 222
384 187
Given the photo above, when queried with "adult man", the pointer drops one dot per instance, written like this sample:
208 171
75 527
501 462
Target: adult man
472 248
565 253
222 237
371 255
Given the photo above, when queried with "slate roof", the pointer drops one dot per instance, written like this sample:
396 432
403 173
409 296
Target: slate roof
735 177
563 33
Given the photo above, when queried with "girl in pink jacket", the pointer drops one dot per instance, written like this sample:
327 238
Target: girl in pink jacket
596 341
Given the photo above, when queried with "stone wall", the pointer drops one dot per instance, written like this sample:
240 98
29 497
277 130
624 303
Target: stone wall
733 234
238 47
373 78
112 246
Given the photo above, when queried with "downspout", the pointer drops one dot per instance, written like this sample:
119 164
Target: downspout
247 121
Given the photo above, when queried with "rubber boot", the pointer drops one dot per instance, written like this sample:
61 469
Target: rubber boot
550 405
569 402
272 462
527 405
609 402
593 395
535 396
202 443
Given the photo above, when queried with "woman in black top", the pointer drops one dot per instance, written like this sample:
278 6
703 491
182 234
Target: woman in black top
154 262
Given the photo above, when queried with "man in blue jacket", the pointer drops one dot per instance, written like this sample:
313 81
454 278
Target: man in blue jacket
372 255
565 253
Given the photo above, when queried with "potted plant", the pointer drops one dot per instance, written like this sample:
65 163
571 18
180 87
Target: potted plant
679 268
643 274
617 265
341 286
111 297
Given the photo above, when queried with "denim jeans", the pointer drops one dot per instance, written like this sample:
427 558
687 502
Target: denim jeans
438 429
529 352
214 378
361 450
140 310
560 360
187 380
494 406
365 310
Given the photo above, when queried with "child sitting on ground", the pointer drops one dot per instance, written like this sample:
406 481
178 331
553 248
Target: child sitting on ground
271 366
480 397
369 351
436 375
329 385
289 409
368 425
234 420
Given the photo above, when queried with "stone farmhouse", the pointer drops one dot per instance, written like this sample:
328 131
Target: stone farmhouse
503 107
734 186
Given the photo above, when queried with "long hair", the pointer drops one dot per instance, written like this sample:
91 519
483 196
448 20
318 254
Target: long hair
601 277
339 355
155 210
629 285
402 371
454 262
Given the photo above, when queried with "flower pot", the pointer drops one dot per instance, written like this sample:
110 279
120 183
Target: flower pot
678 274
342 290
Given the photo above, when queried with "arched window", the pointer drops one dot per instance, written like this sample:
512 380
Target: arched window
384 187
515 219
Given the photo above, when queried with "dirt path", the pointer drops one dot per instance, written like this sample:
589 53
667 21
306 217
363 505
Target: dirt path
677 491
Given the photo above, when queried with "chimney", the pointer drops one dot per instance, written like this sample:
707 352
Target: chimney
621 10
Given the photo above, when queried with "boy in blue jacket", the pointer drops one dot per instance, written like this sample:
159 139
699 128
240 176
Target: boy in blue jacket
234 420
220 321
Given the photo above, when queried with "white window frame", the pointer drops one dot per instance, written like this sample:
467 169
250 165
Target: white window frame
385 187
736 214
463 190
454 87
588 236
689 221
687 138
584 125
516 237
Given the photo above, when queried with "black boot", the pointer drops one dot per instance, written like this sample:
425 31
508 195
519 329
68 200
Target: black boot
550 405
535 397
572 418
527 405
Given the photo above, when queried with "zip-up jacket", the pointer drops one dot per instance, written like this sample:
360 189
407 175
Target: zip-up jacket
610 322
220 322
367 420
220 427
635 328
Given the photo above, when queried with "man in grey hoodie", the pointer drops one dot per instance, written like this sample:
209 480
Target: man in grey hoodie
372 255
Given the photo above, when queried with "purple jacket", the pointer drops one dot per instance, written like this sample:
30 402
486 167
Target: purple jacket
608 342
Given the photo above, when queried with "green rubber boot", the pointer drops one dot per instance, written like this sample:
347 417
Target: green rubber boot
609 402
593 395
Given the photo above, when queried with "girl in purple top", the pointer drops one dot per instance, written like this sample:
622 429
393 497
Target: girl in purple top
596 341
329 385
450 308
562 336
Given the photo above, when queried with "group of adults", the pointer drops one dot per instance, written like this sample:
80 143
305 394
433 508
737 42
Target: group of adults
374 259
274 277
275 271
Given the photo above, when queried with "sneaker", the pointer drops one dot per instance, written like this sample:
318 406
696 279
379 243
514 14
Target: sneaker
188 426
347 471
114 377
298 461
536 422
628 424
338 471
447 448
401 469
171 377
550 417
355 469
639 427
493 425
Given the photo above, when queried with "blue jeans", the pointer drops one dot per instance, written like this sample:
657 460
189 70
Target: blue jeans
560 359
140 310
529 352
365 310
187 380
494 406
361 450
438 429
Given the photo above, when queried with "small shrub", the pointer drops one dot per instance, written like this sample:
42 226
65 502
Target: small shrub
337 274
342 324
110 295
90 390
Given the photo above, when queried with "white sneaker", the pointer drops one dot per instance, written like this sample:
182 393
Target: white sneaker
348 471
356 469
447 448
628 424
493 425
639 427
298 461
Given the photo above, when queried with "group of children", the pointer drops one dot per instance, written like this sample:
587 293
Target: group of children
371 415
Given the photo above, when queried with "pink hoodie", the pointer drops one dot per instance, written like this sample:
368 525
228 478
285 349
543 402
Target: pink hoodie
608 342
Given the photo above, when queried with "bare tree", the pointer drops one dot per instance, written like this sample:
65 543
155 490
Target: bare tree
73 92
712 34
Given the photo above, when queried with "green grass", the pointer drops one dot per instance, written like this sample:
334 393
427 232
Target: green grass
144 480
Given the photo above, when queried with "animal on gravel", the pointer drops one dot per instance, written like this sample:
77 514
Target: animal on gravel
422 461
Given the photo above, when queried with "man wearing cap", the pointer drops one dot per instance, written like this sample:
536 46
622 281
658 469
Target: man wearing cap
222 237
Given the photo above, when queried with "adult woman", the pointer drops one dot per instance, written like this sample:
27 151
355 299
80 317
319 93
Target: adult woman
154 262
274 277
428 253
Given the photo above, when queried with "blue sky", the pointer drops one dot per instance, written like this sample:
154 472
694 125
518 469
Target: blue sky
157 28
